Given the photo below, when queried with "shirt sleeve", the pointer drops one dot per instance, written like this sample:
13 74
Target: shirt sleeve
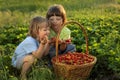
52 34
30 47
65 33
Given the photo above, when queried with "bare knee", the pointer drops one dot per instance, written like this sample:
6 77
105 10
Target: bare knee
29 58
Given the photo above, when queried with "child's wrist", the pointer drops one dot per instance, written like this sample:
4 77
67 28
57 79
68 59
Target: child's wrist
43 43
34 56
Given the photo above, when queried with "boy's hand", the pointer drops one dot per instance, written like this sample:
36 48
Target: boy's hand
62 46
53 41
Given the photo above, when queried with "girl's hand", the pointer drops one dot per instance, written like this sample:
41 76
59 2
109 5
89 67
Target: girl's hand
44 40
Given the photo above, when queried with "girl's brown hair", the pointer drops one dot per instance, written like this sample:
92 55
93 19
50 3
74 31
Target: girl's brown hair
56 10
35 26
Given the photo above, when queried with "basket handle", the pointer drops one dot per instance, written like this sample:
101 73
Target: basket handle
84 31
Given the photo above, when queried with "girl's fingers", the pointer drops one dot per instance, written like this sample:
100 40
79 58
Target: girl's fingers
44 40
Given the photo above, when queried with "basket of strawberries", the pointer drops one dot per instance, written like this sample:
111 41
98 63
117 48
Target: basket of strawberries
76 65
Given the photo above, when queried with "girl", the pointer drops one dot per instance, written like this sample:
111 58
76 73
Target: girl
35 45
56 16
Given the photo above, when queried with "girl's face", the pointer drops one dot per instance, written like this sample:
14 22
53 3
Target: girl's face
43 31
56 22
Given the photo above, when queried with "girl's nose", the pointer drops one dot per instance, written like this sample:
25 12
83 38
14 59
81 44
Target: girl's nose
48 32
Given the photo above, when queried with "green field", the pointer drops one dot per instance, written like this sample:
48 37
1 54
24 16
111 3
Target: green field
19 11
101 19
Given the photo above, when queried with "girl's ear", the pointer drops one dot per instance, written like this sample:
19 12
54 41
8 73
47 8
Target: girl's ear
37 33
38 30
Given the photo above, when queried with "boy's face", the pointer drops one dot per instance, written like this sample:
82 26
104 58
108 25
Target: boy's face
56 22
44 31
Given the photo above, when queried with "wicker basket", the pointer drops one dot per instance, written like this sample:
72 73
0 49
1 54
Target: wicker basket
73 72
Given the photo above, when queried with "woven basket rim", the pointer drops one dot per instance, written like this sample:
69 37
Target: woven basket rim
82 65
86 39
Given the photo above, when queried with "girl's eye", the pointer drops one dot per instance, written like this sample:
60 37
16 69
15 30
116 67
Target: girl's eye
45 29
58 18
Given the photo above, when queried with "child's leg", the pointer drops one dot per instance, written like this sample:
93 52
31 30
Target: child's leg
27 63
52 52
70 48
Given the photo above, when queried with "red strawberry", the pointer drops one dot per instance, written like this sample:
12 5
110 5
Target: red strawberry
68 41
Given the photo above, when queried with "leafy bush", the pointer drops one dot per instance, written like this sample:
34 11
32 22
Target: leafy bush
104 43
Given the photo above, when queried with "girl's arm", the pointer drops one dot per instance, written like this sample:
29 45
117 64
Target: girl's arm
39 52
41 49
47 48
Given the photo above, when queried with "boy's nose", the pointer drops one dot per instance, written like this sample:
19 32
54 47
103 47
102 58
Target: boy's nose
54 21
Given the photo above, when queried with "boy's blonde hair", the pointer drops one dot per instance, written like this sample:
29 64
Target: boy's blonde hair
56 10
35 26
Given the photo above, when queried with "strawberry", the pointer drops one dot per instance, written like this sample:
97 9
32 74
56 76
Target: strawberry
75 58
68 41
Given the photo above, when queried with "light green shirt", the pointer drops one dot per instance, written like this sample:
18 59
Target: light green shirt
65 33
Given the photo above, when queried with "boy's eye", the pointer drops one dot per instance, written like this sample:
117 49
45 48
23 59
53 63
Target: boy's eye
58 19
51 19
